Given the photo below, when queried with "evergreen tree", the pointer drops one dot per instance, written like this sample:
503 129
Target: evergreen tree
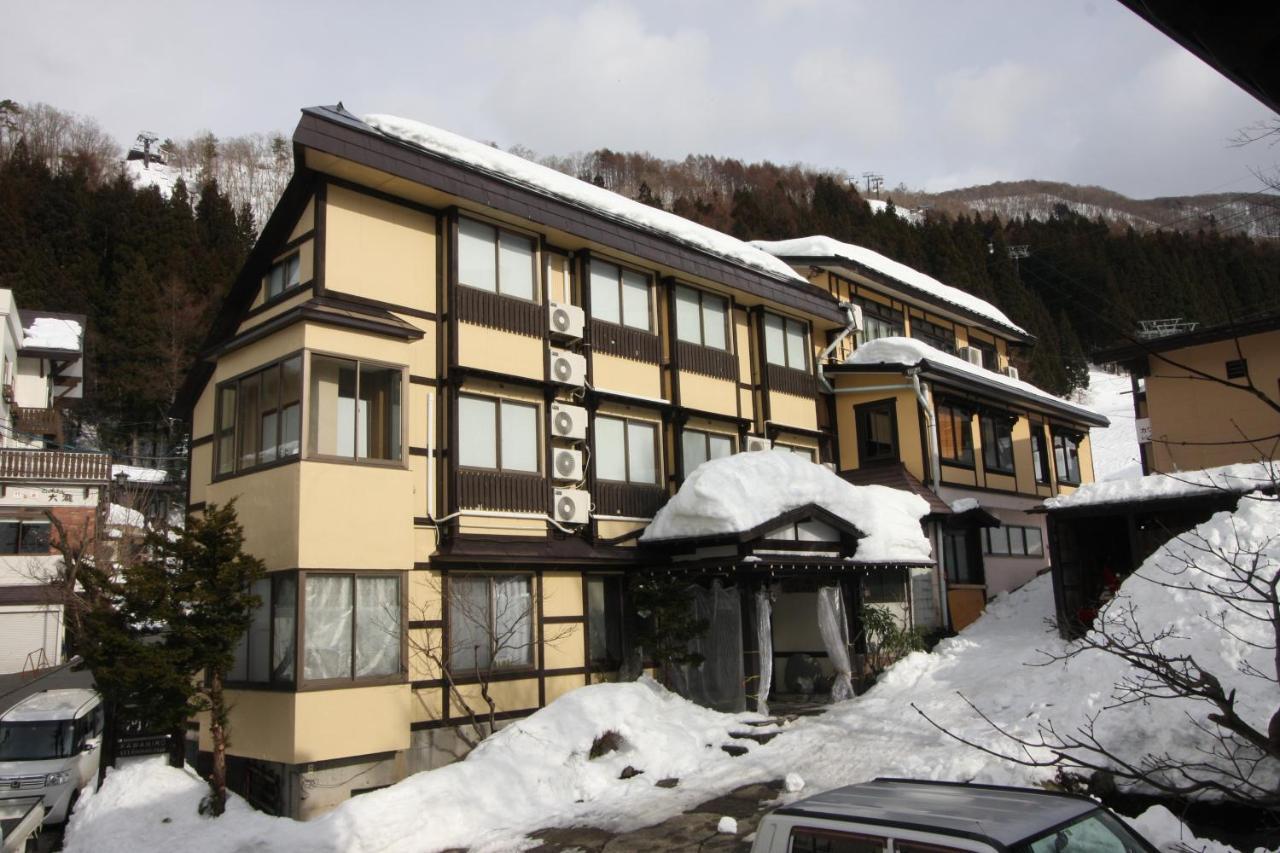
667 623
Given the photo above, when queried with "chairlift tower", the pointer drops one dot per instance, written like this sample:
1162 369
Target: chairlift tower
874 182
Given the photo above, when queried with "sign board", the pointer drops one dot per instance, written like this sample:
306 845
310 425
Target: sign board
135 745
1144 429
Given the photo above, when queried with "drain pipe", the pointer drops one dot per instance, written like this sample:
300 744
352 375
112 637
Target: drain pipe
854 324
935 474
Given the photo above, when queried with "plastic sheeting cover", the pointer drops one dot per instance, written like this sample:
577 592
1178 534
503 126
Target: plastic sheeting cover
835 636
764 640
717 681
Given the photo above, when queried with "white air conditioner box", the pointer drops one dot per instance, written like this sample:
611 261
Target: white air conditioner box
568 422
758 442
566 321
568 368
971 354
1011 371
856 311
572 506
566 464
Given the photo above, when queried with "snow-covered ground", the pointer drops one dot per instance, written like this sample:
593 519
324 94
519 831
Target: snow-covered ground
536 772
1115 448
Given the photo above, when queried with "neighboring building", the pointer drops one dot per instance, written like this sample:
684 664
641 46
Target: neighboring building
42 368
451 389
1186 420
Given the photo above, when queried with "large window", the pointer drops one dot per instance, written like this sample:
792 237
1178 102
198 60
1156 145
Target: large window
1011 540
877 425
786 342
266 653
997 442
24 537
702 318
355 409
352 627
627 450
955 436
1066 456
938 337
1039 454
501 434
879 321
496 260
284 274
620 296
490 622
697 447
604 620
259 417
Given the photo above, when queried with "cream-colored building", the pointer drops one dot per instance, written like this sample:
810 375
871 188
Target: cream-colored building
448 392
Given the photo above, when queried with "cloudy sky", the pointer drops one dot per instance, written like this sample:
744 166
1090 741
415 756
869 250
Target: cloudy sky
930 94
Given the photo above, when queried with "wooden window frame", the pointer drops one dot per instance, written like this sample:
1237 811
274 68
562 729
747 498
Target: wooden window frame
498 231
702 318
305 684
786 351
988 425
1040 453
1008 531
656 426
285 287
535 642
860 412
272 683
499 402
606 664
934 334
622 313
401 460
222 430
959 416
1060 439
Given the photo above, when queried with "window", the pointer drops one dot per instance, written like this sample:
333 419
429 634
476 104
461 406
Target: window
1238 368
805 531
989 358
955 438
877 425
878 321
936 336
284 275
620 296
627 450
495 260
804 840
355 409
604 619
785 342
1012 540
997 442
1066 457
352 627
697 447
702 318
24 537
490 622
1039 454
501 434
267 651
259 417
807 452
960 564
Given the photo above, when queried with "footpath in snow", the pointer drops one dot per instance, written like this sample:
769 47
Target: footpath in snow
536 773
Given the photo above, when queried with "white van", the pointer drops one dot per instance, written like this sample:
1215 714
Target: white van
49 746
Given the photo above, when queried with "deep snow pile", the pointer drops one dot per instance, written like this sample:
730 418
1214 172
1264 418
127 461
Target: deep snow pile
53 333
1240 477
740 492
1115 447
536 773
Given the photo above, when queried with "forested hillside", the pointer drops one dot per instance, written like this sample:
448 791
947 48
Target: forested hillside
150 259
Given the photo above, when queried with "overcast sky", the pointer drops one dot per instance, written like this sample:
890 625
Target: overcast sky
932 94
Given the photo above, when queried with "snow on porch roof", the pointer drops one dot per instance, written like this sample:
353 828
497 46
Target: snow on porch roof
744 491
1239 478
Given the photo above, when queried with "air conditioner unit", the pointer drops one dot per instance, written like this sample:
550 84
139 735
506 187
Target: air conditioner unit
566 321
856 310
566 464
568 368
972 354
758 442
568 422
572 506
1010 371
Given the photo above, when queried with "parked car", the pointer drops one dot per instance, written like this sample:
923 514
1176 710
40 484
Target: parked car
49 746
937 817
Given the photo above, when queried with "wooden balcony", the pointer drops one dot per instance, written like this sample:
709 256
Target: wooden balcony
38 422
55 466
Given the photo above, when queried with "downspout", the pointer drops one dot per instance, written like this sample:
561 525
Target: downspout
432 457
935 475
854 325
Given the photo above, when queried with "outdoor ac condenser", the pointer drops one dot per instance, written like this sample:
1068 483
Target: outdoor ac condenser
572 506
566 464
569 422
758 442
568 368
566 321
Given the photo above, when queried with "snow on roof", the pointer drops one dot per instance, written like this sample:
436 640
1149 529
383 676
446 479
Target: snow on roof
123 516
50 705
136 474
1239 478
550 182
53 333
908 352
961 505
819 246
738 493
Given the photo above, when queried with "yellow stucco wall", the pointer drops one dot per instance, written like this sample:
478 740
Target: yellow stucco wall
379 249
501 352
793 410
708 394
626 376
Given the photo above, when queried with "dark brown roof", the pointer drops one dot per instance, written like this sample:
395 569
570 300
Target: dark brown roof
29 594
896 476
481 550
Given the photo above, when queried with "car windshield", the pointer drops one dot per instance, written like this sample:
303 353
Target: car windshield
1096 832
35 741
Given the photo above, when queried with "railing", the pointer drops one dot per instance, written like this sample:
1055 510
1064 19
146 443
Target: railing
499 312
801 383
54 465
612 339
707 360
36 421
627 499
503 491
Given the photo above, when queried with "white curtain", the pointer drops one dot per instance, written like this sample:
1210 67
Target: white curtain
468 624
328 629
835 636
764 642
512 620
377 626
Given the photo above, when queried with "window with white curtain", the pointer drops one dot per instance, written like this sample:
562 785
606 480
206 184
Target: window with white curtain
496 260
498 434
353 626
702 318
626 450
490 622
697 447
786 342
620 295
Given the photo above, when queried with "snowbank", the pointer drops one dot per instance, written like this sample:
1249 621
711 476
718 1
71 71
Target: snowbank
477 155
819 246
1240 478
908 352
136 474
1114 448
123 516
53 333
742 491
